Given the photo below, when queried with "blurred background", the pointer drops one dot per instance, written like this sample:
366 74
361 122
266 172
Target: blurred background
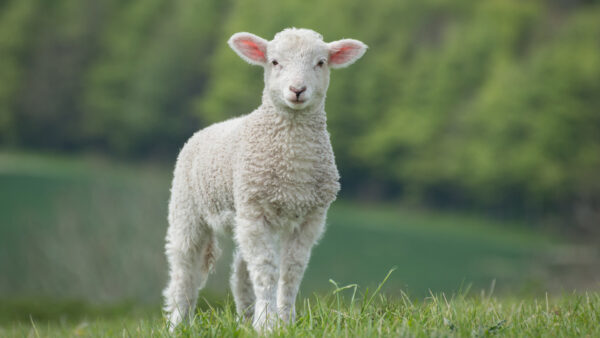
467 138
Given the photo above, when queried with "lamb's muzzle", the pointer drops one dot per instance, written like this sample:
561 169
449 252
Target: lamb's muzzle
298 92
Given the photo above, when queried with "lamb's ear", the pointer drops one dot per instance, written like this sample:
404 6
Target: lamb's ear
249 47
343 53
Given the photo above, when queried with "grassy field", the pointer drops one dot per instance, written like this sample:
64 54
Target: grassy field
79 235
361 316
89 229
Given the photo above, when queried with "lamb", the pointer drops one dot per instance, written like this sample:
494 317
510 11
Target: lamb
267 177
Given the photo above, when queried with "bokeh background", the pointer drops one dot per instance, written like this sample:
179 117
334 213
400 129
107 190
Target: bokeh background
467 137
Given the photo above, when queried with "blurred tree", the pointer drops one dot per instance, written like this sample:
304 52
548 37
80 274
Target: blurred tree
16 22
466 103
48 108
154 60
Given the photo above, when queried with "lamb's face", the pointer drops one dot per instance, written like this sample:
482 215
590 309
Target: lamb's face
296 63
296 72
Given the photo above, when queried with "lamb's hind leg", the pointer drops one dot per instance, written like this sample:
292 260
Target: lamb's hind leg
191 255
241 286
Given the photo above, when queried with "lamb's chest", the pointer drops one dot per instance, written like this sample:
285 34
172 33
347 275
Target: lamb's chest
301 179
288 165
298 178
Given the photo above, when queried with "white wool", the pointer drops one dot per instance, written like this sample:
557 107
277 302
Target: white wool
267 177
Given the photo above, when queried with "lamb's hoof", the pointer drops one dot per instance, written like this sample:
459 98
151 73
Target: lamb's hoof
287 316
265 324
174 319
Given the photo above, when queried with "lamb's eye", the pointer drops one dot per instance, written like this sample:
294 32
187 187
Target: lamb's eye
320 63
274 62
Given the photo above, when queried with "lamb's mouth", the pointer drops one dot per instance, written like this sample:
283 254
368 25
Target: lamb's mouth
297 101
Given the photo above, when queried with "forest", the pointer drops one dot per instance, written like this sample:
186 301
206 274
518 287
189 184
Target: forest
491 106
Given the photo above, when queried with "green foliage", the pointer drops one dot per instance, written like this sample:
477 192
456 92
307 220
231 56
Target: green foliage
16 18
154 60
487 104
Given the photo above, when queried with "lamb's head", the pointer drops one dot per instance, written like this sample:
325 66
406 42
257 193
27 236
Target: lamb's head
296 63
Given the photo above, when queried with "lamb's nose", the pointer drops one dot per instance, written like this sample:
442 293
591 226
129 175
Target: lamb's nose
298 91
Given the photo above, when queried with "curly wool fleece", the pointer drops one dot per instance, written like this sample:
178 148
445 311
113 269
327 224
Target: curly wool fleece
268 177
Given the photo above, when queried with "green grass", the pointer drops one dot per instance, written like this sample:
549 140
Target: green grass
438 252
81 229
343 313
93 230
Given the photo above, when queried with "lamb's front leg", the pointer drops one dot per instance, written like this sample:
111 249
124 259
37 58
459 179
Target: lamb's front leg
257 244
295 254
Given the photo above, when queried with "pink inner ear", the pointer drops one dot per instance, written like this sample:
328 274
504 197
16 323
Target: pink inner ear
343 54
251 50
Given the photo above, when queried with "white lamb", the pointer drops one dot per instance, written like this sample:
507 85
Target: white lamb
268 177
